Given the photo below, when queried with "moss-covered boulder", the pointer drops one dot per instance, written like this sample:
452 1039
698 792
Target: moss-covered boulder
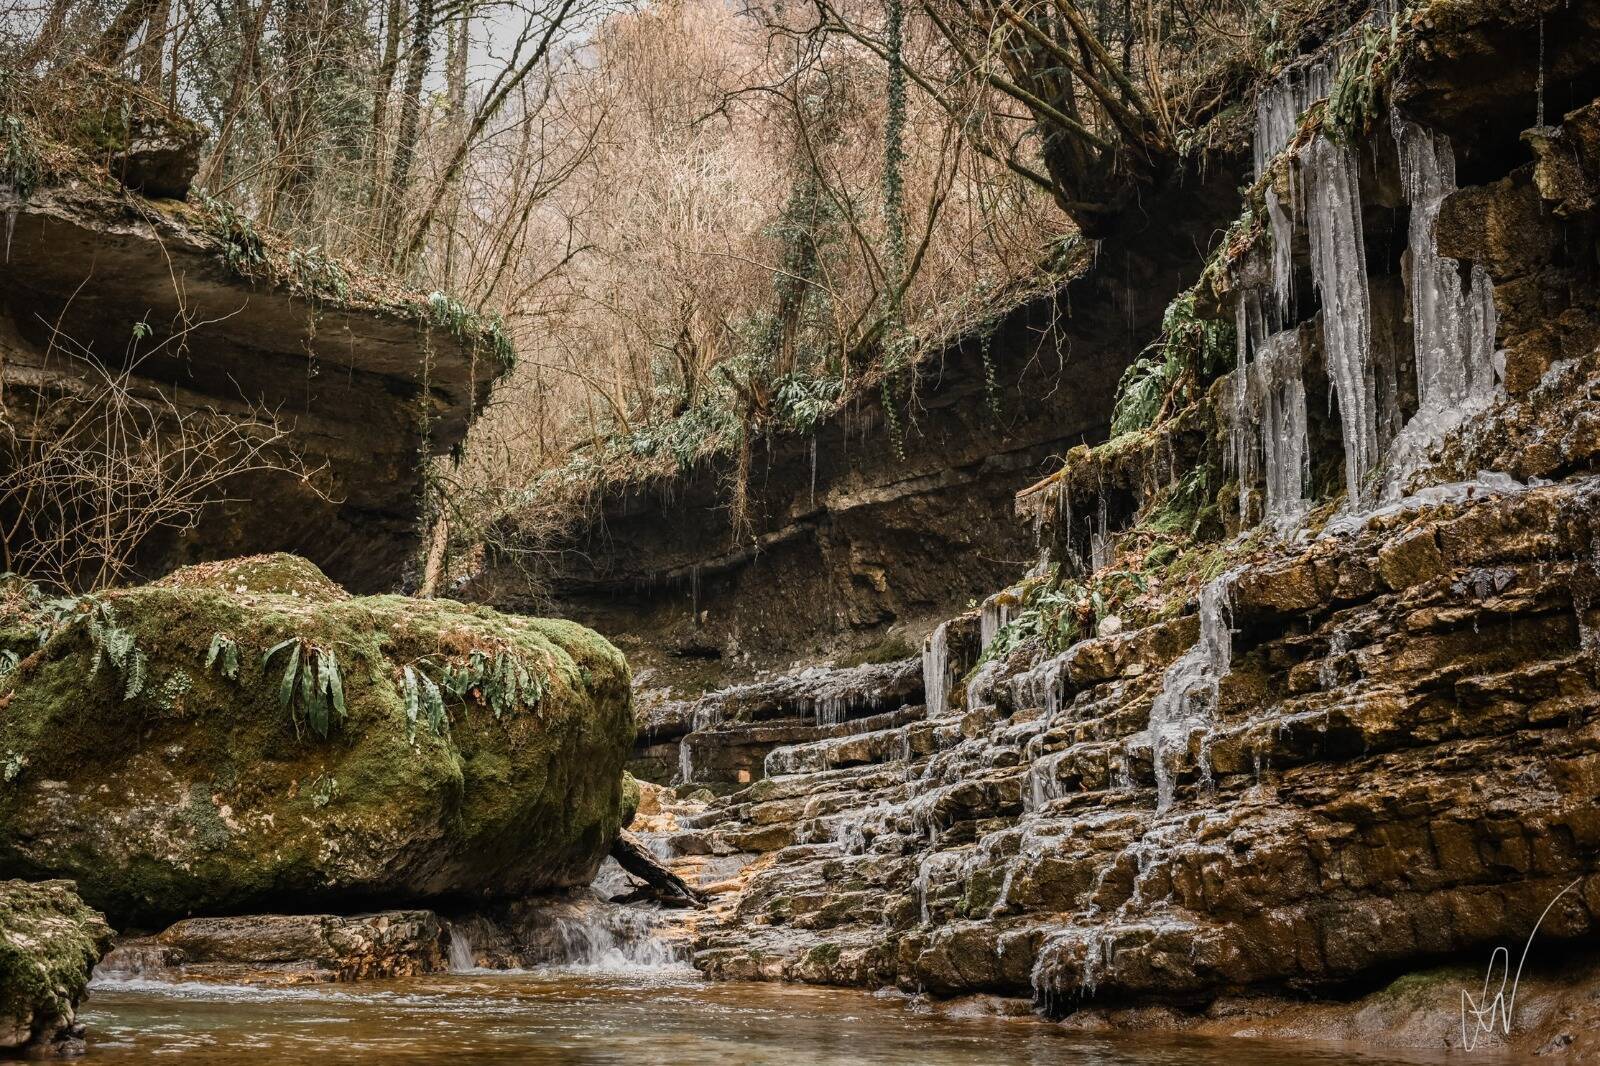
49 943
387 750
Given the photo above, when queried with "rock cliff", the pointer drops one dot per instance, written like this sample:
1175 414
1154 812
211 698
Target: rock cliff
195 309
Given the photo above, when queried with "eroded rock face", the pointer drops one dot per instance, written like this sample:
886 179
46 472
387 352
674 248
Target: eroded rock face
366 383
288 948
49 943
155 753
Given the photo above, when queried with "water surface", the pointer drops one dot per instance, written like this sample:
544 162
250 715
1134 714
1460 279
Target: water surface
589 1017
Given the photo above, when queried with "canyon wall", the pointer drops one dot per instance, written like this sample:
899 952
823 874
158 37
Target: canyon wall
1321 707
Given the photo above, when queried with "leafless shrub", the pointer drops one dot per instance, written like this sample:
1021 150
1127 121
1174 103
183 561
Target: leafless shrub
108 461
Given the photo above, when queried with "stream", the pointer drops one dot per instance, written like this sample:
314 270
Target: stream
588 1016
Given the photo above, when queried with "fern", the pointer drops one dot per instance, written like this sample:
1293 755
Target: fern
223 656
8 662
424 702
497 679
117 646
311 688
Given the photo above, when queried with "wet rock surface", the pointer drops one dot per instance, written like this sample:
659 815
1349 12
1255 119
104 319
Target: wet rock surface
287 948
1401 766
49 943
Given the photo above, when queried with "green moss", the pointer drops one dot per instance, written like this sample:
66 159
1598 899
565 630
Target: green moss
630 799
823 955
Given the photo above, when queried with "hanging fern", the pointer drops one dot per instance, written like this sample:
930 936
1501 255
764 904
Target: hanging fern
494 678
424 702
311 688
223 656
116 646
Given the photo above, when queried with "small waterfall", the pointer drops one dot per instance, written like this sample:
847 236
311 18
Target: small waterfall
936 670
607 937
1188 694
462 958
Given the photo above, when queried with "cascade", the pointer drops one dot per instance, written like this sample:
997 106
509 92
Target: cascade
462 958
1339 269
1189 687
604 936
936 670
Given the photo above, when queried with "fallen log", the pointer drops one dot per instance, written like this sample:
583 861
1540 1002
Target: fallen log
634 857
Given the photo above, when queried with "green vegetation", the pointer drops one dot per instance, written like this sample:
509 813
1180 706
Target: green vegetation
311 688
1361 86
49 943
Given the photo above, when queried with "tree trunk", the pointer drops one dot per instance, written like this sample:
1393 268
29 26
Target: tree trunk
383 85
405 146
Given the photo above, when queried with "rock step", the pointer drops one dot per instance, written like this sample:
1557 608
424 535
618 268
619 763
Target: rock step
902 744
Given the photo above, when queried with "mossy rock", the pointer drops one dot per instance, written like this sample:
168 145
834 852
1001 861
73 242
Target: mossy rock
49 943
279 573
182 791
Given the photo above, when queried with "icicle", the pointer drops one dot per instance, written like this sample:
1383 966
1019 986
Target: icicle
936 670
1453 329
1339 268
993 617
1241 422
1454 357
1278 385
1041 685
1281 221
1280 106
685 762
1100 544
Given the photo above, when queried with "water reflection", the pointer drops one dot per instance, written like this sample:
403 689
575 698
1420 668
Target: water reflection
563 1017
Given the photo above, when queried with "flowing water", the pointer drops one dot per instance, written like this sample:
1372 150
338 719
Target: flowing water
636 1018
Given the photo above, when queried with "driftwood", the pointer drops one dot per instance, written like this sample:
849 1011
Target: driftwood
634 857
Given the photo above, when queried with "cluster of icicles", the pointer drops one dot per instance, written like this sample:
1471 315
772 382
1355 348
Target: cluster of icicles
1453 325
